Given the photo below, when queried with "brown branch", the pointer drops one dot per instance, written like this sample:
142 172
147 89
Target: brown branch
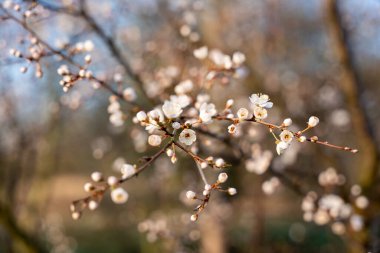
82 203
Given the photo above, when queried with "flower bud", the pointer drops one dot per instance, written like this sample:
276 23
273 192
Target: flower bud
222 177
190 194
96 176
154 140
313 121
141 116
287 122
232 191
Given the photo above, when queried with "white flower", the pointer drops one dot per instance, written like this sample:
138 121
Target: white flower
194 217
97 176
232 129
232 191
238 58
112 181
281 146
183 100
113 107
7 4
287 122
190 194
222 177
141 116
260 112
219 162
129 94
156 115
216 56
207 187
154 140
116 119
302 139
229 103
176 125
187 137
206 112
119 195
313 121
88 187
201 53
63 70
227 62
243 113
286 136
184 87
171 109
76 215
88 45
92 205
261 100
202 98
127 170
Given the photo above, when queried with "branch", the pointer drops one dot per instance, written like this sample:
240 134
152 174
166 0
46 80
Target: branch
108 41
79 205
104 84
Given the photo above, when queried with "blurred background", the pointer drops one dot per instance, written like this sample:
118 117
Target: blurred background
311 57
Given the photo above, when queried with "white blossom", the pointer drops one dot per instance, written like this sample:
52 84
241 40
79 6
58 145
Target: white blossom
260 112
190 194
119 195
201 53
92 205
302 139
261 100
286 136
232 191
127 170
141 116
194 217
287 122
184 87
116 119
112 181
187 136
232 129
171 109
313 121
154 140
96 176
219 162
176 125
129 94
222 177
243 113
183 100
238 58
206 112
88 187
281 146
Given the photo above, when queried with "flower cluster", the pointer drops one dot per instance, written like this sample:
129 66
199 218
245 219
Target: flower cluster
206 194
330 208
97 188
